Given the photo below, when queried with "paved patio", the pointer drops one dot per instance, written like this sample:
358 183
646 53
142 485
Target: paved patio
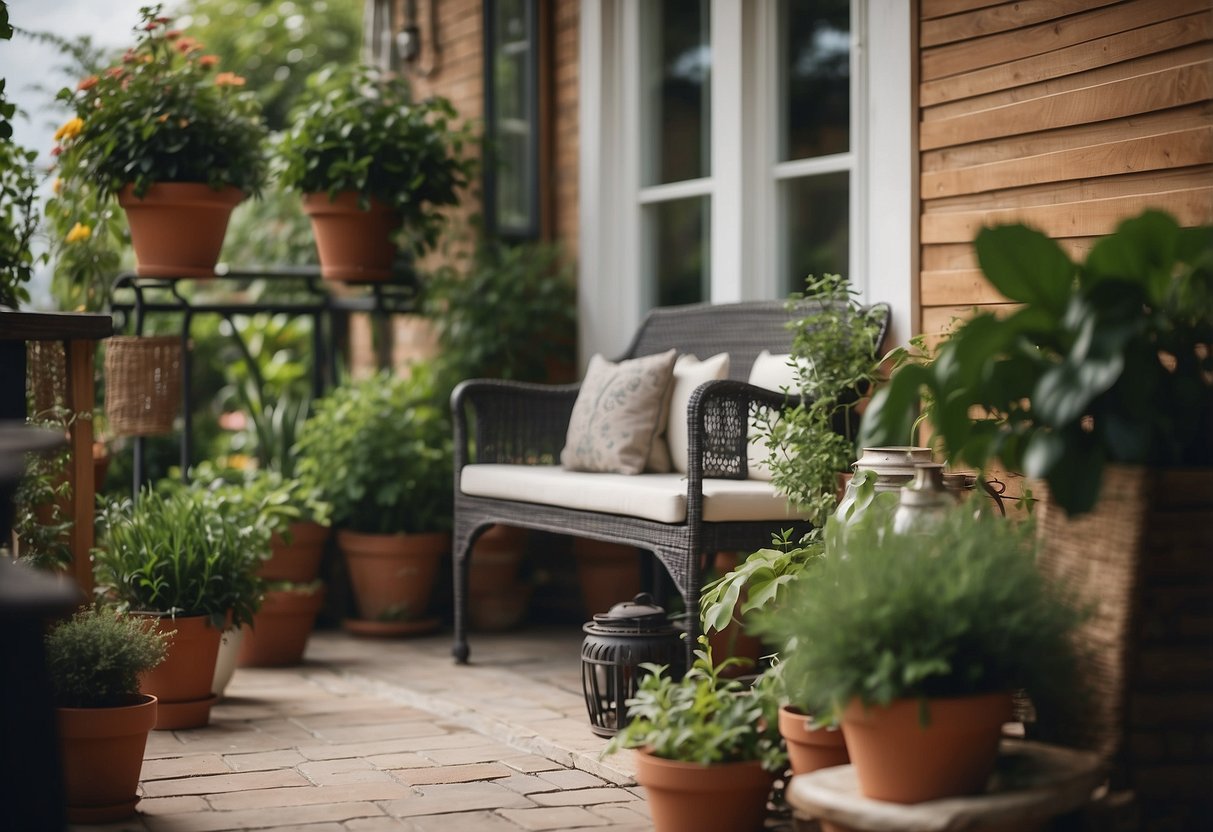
373 735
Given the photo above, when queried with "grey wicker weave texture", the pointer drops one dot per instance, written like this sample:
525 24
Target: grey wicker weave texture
518 423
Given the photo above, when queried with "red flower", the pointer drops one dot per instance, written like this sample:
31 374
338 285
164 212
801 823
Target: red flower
56 150
208 60
172 34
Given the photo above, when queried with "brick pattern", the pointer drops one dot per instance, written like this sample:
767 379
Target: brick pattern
309 748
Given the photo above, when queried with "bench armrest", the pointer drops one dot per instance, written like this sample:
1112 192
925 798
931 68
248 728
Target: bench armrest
510 421
718 416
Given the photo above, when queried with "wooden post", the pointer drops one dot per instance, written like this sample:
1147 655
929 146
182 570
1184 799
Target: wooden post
80 402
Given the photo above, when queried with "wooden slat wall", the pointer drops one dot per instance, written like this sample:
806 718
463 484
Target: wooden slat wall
1068 115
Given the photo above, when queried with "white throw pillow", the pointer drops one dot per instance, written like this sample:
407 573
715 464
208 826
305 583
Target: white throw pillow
772 372
616 414
689 373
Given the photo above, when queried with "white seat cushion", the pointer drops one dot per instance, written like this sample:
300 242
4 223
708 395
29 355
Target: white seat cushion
659 497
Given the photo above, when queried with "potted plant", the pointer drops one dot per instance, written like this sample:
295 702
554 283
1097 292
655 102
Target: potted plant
178 558
707 749
380 449
94 660
1100 385
177 141
807 446
371 161
917 642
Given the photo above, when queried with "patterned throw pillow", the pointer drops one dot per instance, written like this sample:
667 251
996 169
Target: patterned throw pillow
616 414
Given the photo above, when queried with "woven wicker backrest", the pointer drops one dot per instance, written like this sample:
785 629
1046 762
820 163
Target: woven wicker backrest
743 330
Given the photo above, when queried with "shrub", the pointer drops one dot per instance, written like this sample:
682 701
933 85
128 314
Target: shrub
94 658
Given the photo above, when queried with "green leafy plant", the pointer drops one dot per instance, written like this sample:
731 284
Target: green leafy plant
509 313
185 552
765 576
95 657
163 114
356 129
18 212
381 452
260 496
701 718
834 359
1110 360
957 611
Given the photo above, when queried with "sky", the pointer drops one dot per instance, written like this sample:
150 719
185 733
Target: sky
26 62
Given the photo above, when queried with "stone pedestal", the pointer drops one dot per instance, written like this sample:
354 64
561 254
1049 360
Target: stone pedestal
1033 783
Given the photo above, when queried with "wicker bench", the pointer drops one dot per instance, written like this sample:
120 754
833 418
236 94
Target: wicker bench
508 438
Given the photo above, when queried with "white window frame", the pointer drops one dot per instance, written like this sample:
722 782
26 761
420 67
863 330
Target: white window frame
746 247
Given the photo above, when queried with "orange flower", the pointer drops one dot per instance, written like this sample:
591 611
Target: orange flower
79 233
183 123
228 79
163 117
70 129
208 60
185 45
87 83
115 72
172 34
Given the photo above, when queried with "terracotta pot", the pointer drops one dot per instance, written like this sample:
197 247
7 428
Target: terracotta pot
608 572
182 682
299 560
177 228
353 244
687 797
102 754
811 748
280 628
496 556
392 574
225 660
899 760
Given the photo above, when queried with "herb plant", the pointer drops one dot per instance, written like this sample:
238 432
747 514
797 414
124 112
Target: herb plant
961 610
181 553
702 718
834 356
1110 360
765 575
381 451
94 658
359 130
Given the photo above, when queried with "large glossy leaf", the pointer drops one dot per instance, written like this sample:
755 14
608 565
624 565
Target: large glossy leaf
1076 477
1066 390
1026 266
1141 251
889 418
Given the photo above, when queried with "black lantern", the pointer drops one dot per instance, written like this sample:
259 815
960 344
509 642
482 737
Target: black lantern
616 644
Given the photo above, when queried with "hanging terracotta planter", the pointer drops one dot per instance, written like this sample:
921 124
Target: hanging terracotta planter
393 574
688 797
354 244
280 628
177 228
898 759
182 682
809 748
299 560
102 754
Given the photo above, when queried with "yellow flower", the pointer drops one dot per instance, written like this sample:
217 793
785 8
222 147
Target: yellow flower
79 233
70 130
57 185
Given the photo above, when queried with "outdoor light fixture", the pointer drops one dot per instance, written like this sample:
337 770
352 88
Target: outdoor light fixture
616 643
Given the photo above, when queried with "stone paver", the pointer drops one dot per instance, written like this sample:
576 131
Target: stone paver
390 736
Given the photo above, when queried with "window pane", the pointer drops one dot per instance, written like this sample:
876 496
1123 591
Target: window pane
816 210
815 72
513 118
675 73
677 242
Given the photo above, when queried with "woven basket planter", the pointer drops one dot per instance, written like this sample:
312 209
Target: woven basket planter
142 384
1144 559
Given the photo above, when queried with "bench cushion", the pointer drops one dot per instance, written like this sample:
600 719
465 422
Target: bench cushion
659 497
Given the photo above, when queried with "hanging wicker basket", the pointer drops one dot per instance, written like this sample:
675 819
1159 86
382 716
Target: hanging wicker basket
142 384
46 378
